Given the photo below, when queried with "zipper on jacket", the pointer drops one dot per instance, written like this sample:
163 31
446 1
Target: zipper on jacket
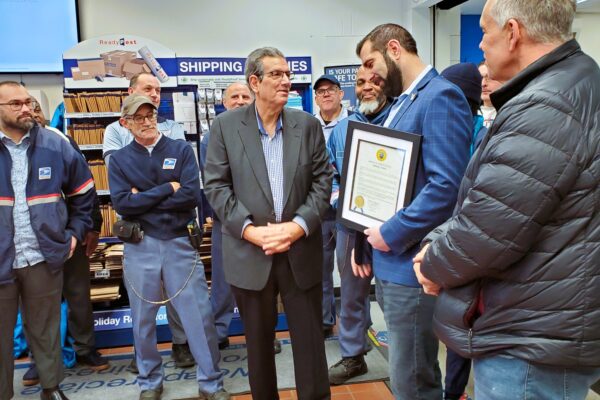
470 341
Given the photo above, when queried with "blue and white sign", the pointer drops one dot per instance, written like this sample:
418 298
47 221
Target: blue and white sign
219 72
121 319
346 74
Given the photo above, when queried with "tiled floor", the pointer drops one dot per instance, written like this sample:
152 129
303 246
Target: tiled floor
359 391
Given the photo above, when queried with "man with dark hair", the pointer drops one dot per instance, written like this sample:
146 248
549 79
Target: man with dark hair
116 136
354 319
268 180
517 266
76 285
434 108
39 231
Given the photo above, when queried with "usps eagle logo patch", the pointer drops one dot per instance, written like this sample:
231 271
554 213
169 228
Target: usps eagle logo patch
169 163
45 173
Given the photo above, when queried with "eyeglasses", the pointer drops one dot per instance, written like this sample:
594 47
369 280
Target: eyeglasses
321 92
16 105
139 119
278 75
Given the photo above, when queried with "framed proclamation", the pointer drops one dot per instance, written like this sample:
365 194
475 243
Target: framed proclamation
379 171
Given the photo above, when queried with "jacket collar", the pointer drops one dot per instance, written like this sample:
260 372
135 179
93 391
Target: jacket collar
514 86
158 146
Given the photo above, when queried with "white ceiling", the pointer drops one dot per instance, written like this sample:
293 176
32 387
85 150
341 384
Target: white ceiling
475 6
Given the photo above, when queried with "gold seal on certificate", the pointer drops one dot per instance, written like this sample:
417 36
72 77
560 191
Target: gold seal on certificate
379 169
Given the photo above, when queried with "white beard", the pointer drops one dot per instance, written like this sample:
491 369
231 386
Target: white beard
368 107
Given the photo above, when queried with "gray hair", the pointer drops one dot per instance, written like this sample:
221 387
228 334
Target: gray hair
254 65
226 91
546 21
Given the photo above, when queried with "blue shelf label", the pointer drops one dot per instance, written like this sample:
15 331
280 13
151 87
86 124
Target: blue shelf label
121 319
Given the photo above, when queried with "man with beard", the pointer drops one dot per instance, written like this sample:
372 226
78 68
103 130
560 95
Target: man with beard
436 109
328 96
76 285
39 231
519 260
354 289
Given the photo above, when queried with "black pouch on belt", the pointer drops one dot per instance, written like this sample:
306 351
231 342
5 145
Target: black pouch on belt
195 234
128 231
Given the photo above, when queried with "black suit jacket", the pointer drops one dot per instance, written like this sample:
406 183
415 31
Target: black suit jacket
237 187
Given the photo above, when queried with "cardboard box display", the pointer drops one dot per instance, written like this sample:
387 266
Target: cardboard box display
115 60
94 67
135 66
78 75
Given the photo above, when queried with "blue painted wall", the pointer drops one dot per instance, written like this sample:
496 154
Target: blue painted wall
470 37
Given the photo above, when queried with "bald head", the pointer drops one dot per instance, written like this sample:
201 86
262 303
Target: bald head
237 95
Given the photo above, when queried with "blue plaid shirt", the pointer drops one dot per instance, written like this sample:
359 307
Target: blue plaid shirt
273 152
27 247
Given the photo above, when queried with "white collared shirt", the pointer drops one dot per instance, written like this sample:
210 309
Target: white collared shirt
396 107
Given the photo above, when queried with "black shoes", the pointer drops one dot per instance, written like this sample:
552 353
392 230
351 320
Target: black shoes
132 367
181 354
224 344
327 331
151 394
93 360
31 377
346 368
53 394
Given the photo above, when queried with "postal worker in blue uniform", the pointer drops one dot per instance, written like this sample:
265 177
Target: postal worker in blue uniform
155 187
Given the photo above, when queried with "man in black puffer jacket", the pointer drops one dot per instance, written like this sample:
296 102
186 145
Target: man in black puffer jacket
518 266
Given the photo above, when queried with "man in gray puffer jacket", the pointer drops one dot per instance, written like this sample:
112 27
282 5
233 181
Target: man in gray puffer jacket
517 268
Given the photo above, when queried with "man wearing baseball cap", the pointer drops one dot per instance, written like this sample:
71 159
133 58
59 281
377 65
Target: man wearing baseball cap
328 97
117 136
155 185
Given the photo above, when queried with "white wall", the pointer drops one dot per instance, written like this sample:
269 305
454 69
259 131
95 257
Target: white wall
325 30
447 38
587 28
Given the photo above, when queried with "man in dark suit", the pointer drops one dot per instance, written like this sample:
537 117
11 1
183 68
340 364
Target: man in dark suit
268 180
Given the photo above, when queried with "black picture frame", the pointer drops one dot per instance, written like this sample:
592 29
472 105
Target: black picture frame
364 137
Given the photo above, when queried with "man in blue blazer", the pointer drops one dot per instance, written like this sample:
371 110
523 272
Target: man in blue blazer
436 109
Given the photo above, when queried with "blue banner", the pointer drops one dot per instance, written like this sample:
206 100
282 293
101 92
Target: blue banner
346 74
222 66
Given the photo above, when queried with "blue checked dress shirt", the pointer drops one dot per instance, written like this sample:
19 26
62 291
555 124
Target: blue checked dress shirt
27 247
273 152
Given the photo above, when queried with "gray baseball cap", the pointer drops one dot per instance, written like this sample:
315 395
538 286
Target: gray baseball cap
133 102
